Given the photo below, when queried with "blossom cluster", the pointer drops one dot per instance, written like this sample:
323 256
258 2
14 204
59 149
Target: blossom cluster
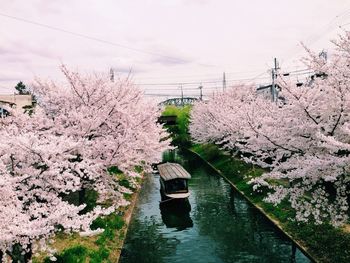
303 139
77 131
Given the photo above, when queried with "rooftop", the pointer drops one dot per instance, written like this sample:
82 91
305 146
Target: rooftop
170 171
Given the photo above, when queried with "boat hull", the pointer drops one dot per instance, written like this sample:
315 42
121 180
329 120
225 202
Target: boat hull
177 196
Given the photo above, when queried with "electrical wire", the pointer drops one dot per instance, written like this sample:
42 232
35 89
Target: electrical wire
175 59
184 83
197 82
199 75
312 39
344 24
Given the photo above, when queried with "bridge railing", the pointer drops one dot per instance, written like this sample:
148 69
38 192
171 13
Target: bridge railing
179 101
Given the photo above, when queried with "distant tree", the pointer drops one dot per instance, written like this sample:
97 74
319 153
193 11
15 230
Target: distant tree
22 89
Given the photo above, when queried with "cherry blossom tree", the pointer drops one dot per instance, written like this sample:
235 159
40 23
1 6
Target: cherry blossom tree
303 133
77 131
302 139
222 119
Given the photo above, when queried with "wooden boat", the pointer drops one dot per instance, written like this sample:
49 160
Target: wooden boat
173 180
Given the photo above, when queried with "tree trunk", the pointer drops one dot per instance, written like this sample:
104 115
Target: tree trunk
82 196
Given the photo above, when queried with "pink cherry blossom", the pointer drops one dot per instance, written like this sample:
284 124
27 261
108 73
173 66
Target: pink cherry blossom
303 139
77 131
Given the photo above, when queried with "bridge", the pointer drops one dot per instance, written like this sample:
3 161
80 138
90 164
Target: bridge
179 101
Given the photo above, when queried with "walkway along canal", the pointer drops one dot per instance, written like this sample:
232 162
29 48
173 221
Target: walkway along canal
216 224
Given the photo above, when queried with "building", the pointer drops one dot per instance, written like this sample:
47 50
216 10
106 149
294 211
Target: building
268 93
14 101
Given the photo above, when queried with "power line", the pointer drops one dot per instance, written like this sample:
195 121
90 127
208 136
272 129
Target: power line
316 37
216 80
344 25
174 95
99 40
190 91
298 70
185 89
199 75
191 88
196 76
198 82
188 83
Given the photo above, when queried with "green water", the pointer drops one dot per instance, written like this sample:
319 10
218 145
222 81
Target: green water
215 225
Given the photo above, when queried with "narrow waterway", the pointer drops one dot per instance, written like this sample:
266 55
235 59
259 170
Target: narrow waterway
216 225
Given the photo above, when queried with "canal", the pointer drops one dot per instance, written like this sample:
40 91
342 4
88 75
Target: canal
216 225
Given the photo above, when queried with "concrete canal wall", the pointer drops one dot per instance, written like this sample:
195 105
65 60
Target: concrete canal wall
322 243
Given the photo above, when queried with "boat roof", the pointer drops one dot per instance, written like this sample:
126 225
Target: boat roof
170 171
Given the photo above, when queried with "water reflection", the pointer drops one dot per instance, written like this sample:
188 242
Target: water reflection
176 213
148 244
215 225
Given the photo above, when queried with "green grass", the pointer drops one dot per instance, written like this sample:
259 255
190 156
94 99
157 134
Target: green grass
179 132
104 247
110 224
326 243
76 254
104 244
114 170
81 254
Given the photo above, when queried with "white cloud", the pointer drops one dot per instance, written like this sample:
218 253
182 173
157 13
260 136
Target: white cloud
231 35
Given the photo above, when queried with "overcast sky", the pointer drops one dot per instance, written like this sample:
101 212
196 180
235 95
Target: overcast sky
162 41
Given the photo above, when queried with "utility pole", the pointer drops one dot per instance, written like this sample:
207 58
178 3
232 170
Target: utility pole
274 74
223 82
200 92
323 54
111 74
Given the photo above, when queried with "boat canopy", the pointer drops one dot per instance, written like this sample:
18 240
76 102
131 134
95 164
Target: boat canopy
171 171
